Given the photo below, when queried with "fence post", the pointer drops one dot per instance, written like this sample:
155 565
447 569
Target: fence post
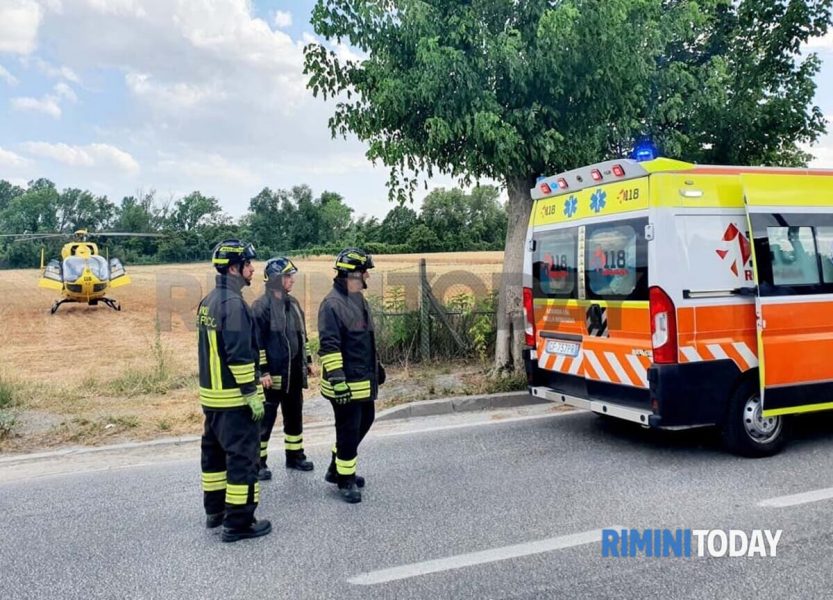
424 313
307 295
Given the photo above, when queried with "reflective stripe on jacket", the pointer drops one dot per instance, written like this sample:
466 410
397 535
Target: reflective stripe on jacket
227 347
347 342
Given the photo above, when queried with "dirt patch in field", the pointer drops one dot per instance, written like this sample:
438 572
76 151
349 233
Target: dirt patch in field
91 375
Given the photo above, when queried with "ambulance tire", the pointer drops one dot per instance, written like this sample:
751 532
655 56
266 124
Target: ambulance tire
745 432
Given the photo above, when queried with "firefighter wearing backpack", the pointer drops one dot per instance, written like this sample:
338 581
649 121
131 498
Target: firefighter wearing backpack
285 363
352 372
231 401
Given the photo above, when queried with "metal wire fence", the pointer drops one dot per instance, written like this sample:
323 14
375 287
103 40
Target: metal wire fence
447 316
420 314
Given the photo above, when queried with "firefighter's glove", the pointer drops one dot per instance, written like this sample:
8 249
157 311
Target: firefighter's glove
383 376
342 394
255 402
341 391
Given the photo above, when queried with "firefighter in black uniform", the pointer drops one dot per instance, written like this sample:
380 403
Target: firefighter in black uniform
230 398
285 363
352 372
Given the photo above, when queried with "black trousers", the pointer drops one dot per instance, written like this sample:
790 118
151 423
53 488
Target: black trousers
353 421
229 465
291 403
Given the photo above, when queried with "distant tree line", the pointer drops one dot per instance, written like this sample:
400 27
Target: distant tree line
288 222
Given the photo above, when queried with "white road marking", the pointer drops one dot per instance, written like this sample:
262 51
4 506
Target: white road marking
460 561
479 423
796 499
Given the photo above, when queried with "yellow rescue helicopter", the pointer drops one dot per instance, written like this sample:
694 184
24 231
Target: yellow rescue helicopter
82 274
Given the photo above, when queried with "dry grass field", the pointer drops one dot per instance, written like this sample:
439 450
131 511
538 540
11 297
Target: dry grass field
90 375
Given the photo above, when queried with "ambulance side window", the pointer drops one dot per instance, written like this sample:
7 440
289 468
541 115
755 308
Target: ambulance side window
554 264
792 251
616 263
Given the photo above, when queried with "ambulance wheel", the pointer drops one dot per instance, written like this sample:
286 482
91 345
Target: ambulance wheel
746 431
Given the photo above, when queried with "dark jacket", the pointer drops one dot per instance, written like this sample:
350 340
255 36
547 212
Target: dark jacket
282 338
348 343
227 346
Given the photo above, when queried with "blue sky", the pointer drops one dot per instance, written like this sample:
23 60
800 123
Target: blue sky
119 96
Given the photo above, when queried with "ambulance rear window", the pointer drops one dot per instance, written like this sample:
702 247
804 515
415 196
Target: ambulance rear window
616 260
554 264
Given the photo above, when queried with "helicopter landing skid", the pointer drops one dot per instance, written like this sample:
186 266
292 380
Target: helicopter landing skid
55 306
114 304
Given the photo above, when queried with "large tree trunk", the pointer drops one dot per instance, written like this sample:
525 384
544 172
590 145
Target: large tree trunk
510 321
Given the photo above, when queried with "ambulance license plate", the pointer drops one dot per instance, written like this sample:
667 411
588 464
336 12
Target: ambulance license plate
565 348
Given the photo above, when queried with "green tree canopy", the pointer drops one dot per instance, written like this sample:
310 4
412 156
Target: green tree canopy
398 224
512 90
195 210
463 221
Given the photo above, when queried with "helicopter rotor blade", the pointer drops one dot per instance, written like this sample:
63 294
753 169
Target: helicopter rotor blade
27 238
125 234
23 237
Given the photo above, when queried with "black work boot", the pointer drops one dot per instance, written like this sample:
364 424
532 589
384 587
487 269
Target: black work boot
256 529
296 459
214 520
332 477
264 474
348 489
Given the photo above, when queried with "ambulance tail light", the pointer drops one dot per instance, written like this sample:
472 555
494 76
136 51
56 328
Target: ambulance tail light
529 318
663 326
562 183
545 188
618 171
596 175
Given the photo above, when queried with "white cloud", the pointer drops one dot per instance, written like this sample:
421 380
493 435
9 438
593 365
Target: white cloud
822 151
206 167
170 96
9 159
20 182
283 19
118 7
7 77
213 98
91 155
823 155
65 92
19 23
821 43
345 53
48 104
50 70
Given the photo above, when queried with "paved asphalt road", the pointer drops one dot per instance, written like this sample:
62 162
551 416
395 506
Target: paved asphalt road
470 493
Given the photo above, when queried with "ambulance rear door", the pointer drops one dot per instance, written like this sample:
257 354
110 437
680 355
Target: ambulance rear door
791 220
590 289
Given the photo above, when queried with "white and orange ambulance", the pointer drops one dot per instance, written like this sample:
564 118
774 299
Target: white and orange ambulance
676 295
